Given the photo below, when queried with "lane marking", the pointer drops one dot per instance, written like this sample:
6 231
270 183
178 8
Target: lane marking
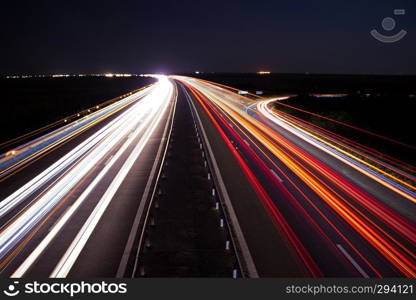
353 262
277 176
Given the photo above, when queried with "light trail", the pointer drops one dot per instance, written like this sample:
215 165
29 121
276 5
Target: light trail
339 206
352 161
159 105
341 139
381 227
105 134
100 152
67 119
368 156
34 149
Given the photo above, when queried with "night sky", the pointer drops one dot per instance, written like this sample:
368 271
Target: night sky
293 36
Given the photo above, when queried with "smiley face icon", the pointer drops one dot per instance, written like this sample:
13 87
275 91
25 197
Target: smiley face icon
11 290
389 24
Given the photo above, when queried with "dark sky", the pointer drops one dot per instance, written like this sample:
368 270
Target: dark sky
317 36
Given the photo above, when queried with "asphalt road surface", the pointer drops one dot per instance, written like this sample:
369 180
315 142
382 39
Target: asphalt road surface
338 213
300 200
70 212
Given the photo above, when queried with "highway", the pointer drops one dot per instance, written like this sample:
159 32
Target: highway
84 194
343 209
301 200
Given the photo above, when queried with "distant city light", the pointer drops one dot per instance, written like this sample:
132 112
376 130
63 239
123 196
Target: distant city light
60 75
263 72
109 75
123 75
329 95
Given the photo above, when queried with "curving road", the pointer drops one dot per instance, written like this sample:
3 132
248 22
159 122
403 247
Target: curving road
341 208
301 200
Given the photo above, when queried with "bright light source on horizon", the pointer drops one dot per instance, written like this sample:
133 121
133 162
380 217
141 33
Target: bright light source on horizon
263 72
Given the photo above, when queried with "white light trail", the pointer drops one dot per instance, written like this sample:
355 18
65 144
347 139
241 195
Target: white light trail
80 161
72 253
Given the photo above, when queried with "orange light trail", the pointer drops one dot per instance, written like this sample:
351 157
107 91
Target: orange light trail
311 171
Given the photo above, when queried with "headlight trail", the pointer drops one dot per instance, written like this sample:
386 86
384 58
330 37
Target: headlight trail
34 149
401 187
377 228
361 153
341 208
158 105
340 139
105 133
98 153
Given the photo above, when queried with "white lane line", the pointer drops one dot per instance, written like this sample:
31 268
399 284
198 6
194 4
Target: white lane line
135 228
242 244
277 176
353 262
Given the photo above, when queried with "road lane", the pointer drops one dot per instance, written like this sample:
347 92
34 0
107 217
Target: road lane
308 203
88 178
328 211
271 254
